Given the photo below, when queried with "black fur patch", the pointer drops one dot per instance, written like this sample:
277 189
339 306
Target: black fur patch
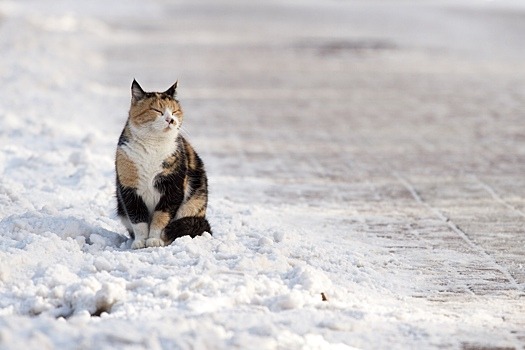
132 204
189 226
123 138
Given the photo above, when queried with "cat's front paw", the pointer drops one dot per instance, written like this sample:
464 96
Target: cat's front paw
138 244
154 242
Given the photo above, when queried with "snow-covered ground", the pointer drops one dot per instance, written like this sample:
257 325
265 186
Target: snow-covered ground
366 175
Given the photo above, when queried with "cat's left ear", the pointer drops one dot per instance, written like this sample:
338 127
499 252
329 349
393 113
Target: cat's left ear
172 91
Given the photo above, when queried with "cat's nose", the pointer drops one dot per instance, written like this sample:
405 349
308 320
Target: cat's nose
170 120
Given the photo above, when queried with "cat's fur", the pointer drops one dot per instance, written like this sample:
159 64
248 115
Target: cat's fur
161 184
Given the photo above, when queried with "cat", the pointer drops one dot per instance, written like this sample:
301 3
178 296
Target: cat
161 184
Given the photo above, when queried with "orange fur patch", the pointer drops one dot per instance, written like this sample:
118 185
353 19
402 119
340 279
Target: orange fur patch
160 220
195 206
190 153
126 169
171 163
185 184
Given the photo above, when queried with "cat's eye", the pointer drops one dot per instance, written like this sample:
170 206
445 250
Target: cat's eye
177 111
157 110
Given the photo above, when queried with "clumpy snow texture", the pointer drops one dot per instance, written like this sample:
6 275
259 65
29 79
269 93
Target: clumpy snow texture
366 184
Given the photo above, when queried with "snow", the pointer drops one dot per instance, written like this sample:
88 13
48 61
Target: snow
69 278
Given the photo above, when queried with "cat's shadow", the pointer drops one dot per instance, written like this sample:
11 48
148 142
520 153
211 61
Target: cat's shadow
65 227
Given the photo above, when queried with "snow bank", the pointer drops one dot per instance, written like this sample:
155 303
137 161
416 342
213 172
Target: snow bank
68 277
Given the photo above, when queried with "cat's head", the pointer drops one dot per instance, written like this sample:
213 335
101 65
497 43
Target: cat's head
154 114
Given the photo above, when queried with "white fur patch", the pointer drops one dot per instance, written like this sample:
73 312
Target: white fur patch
141 234
148 154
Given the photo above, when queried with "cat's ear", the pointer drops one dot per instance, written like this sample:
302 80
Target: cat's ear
137 93
172 91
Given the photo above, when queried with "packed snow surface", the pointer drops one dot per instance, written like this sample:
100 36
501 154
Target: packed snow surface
322 239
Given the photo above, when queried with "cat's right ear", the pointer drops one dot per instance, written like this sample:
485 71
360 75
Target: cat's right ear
137 93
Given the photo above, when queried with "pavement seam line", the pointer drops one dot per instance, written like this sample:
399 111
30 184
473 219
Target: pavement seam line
410 188
496 196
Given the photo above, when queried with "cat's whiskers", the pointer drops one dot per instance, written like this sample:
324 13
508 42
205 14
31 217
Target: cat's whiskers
184 131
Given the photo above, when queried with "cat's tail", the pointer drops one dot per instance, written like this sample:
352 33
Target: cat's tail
188 226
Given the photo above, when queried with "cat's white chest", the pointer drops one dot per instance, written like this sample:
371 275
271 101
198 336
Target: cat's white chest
148 159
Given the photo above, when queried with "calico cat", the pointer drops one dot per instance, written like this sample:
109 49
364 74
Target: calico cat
161 184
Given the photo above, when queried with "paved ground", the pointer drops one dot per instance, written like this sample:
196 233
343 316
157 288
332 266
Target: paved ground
399 124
